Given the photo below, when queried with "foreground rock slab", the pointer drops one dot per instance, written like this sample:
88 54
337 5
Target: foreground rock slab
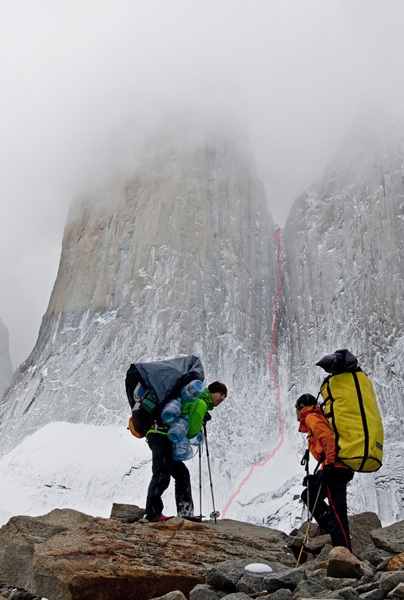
67 555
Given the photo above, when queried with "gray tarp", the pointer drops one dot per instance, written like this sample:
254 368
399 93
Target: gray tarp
166 377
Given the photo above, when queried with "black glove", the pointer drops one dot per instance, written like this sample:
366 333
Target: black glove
206 418
308 480
325 474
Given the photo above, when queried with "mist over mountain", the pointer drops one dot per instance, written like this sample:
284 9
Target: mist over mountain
182 256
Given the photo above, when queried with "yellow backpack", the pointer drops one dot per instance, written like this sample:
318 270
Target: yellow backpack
350 406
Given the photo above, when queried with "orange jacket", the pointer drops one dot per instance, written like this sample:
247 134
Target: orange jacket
320 437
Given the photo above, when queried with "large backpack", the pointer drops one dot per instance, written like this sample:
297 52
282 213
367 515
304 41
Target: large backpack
150 385
351 409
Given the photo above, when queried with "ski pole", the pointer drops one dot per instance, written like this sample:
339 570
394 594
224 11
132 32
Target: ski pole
200 482
215 514
306 535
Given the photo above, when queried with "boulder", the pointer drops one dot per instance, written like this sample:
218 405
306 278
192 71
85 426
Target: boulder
204 591
127 513
282 594
176 595
238 596
397 592
342 563
286 579
375 556
390 580
308 589
395 563
390 538
360 528
67 555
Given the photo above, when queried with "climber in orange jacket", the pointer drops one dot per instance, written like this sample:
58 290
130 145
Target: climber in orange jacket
331 476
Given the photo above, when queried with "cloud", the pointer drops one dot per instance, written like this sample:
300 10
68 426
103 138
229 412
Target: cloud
76 75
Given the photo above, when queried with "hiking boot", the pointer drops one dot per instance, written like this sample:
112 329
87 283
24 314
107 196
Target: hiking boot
159 519
195 519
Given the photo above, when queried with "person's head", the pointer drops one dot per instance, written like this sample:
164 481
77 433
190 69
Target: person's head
218 392
303 401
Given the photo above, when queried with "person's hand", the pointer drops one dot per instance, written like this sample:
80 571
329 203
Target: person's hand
308 480
325 474
206 418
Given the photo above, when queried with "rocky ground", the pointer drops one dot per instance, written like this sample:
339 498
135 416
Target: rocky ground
67 555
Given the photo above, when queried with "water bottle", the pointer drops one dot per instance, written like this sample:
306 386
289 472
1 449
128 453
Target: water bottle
197 440
178 431
172 411
140 390
182 450
192 390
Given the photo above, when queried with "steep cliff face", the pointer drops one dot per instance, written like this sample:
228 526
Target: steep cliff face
177 259
182 257
6 370
344 266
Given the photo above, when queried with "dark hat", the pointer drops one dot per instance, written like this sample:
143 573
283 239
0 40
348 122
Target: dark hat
305 400
216 386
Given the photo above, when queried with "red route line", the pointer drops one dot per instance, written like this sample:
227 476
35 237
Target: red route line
273 375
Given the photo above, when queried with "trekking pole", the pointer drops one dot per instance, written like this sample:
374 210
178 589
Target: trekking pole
305 462
200 482
306 535
215 514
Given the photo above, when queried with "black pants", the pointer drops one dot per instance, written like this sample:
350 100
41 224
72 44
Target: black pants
332 518
164 467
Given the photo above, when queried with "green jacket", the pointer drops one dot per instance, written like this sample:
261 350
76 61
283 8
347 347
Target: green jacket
196 411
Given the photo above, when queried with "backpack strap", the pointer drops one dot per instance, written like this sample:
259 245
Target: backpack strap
132 380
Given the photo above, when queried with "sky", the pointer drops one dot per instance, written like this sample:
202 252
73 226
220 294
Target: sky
84 80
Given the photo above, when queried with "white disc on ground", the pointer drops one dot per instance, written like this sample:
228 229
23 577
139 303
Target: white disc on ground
258 568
